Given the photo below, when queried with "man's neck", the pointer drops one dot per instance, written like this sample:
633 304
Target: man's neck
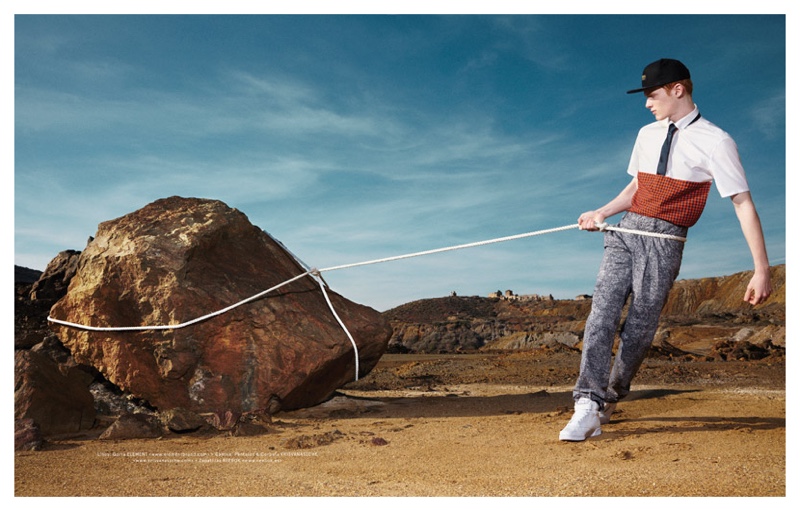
685 108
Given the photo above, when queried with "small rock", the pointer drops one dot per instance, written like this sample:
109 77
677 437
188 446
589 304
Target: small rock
180 420
135 425
249 429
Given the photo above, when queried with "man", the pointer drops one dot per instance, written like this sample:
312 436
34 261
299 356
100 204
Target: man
673 164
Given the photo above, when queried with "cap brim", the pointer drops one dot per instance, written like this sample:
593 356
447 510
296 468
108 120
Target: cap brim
656 85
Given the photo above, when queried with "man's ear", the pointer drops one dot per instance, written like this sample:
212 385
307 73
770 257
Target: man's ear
678 90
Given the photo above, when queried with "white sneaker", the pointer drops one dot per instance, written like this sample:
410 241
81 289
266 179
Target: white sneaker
585 422
606 411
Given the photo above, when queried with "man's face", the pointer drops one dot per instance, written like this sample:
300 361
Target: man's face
661 102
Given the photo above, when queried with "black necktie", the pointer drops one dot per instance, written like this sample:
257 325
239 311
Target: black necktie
662 160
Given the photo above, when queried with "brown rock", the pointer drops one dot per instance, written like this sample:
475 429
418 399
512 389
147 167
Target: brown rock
52 284
30 326
133 425
179 259
180 420
27 436
57 403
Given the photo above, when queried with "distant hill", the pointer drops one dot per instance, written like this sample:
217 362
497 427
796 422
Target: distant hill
698 314
24 275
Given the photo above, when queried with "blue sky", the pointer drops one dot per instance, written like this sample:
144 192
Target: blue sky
352 137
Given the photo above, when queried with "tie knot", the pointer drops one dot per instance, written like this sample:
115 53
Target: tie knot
672 128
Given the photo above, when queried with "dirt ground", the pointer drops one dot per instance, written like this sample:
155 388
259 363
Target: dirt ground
462 425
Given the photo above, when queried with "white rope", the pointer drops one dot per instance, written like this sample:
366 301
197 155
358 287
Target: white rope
179 325
341 323
317 277
600 226
605 227
316 274
455 247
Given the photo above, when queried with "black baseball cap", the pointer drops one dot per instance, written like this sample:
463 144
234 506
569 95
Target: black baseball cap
662 72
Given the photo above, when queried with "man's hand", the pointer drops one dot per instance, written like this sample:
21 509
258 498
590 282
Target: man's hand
589 220
759 288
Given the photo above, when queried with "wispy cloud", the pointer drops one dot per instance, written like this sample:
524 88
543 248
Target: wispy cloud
365 137
769 114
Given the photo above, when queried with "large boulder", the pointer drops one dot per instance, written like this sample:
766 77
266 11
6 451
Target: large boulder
178 259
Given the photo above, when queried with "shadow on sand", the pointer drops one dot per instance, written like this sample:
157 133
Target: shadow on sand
457 404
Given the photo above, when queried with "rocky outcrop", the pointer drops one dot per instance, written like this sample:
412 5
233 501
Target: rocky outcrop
35 293
178 259
53 283
24 276
699 314
723 296
464 323
56 402
51 392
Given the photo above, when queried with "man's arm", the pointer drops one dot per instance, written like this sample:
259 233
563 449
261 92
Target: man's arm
760 286
620 203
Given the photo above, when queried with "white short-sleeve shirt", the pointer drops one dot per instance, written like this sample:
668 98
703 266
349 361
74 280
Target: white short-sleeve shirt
701 152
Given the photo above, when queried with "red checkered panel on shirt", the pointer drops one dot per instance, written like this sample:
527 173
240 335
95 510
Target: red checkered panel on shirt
676 201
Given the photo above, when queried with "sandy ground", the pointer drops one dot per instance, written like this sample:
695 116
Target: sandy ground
468 425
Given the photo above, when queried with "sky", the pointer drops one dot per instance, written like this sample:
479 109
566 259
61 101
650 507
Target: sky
355 137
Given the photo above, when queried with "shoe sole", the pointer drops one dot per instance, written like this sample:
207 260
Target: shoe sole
567 438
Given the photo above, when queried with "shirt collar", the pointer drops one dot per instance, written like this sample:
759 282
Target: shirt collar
686 120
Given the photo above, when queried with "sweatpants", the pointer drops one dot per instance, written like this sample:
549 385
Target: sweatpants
642 268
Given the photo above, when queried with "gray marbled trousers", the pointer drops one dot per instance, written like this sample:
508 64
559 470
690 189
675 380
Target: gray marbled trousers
644 269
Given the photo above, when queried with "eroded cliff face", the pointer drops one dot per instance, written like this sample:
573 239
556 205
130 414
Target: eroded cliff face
723 295
699 315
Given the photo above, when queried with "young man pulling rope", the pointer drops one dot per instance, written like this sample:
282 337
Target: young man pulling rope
673 163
